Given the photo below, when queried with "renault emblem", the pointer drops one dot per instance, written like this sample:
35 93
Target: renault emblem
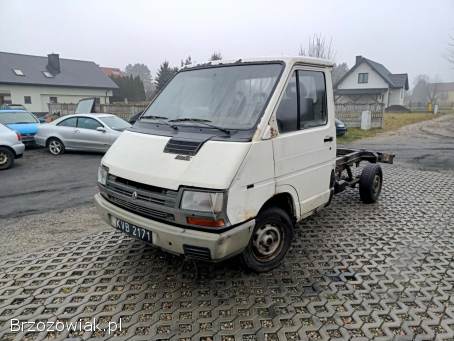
134 195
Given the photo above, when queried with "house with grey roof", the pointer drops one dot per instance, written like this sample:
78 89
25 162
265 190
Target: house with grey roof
36 81
370 82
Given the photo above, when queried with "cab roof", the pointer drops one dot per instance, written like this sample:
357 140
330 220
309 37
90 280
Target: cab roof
289 60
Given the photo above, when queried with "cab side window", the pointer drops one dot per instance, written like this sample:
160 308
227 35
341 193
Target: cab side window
312 92
69 122
303 104
286 114
88 123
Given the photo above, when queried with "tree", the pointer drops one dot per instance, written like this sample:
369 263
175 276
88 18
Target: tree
338 71
144 73
216 56
186 62
130 88
425 91
318 47
165 73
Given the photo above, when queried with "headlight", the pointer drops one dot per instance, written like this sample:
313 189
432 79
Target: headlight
202 201
103 171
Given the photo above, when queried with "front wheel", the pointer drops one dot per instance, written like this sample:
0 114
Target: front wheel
6 158
55 146
270 240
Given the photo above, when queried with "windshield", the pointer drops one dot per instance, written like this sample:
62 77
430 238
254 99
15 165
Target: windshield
230 97
17 117
115 122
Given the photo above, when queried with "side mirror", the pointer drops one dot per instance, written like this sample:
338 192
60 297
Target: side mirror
101 129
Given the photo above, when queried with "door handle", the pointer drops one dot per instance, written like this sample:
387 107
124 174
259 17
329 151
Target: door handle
328 139
76 131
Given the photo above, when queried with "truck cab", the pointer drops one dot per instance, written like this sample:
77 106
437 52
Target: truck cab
226 159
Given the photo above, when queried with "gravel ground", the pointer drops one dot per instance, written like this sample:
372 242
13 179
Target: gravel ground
44 230
427 145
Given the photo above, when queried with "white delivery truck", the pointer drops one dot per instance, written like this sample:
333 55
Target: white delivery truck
229 157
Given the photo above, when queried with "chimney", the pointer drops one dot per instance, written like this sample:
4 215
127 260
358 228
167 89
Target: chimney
359 59
53 63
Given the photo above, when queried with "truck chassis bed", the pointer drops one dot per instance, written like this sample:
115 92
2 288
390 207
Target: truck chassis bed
347 158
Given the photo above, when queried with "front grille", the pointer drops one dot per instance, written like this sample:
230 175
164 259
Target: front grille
140 209
197 252
182 147
147 193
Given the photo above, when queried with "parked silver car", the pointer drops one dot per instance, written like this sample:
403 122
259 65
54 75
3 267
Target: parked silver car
11 147
90 132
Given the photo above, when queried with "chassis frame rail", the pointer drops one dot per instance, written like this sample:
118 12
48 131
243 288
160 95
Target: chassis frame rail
347 158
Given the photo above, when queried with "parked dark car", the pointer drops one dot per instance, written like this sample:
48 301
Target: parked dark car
341 129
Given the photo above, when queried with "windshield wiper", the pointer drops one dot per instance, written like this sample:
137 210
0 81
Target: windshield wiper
201 121
161 119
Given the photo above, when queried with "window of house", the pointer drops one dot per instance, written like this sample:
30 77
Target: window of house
363 77
69 122
47 74
53 100
18 72
27 100
88 123
303 104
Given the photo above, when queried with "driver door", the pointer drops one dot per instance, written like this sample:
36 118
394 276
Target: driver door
305 149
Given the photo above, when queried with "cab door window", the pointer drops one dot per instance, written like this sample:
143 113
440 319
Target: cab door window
287 111
312 93
303 104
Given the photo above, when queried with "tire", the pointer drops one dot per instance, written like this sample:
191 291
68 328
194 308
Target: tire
370 183
6 158
55 146
270 240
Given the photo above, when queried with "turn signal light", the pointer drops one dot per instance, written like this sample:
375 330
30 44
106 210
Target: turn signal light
202 221
18 136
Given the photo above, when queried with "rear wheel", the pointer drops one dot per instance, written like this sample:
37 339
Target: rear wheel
270 240
370 183
6 158
55 146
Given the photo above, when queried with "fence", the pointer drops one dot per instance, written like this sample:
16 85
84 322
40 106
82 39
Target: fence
350 114
125 111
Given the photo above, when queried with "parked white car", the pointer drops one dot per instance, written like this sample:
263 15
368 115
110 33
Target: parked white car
87 132
228 157
11 147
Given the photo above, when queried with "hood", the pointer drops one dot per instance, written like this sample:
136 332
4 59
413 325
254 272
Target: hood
141 158
24 128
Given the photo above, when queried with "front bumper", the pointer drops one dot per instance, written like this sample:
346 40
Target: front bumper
178 240
18 149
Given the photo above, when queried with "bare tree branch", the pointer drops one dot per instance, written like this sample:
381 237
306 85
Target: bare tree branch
318 47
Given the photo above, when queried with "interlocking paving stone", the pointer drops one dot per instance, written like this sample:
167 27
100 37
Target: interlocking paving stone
354 271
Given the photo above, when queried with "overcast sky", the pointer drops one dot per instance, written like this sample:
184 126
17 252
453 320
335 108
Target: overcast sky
405 36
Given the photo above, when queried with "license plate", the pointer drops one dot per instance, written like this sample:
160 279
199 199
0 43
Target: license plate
132 230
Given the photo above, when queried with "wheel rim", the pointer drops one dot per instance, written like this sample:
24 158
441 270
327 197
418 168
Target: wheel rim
55 147
267 241
3 158
376 185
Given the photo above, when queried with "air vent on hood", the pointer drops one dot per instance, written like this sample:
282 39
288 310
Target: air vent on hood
183 147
